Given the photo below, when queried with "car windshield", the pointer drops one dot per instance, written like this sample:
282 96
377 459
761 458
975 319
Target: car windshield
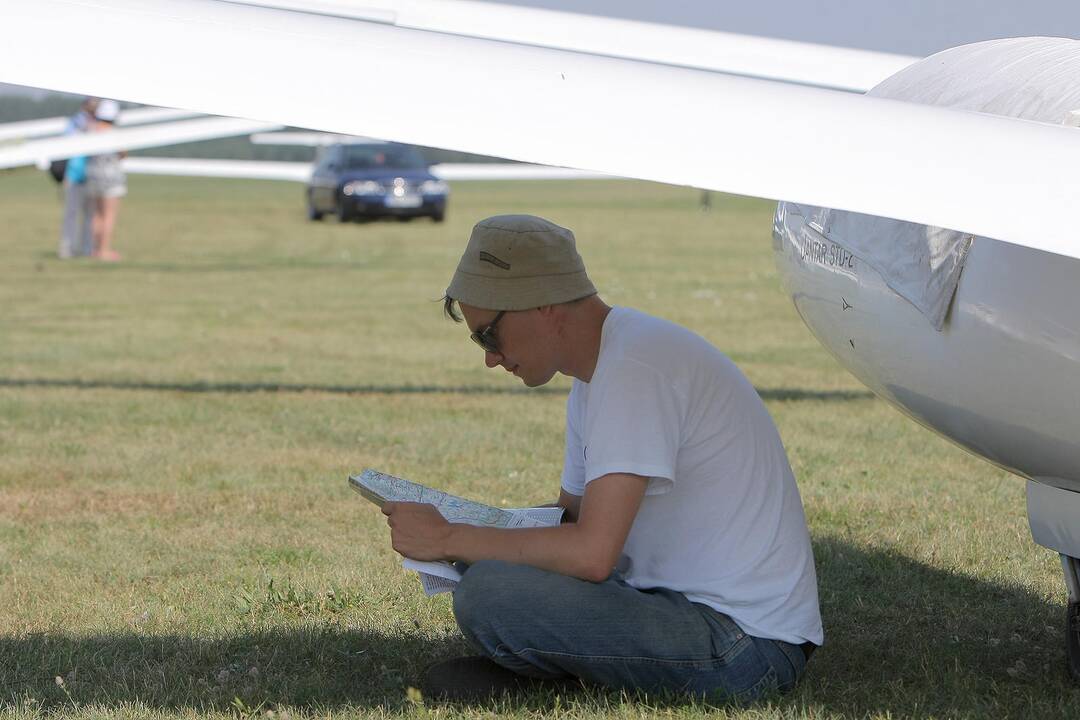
368 157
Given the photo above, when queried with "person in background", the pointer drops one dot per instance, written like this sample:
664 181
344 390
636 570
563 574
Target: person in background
76 237
105 185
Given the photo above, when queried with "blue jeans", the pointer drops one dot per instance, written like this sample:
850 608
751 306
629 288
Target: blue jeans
546 625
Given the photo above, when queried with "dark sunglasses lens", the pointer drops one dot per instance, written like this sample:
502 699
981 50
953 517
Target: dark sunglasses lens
484 340
485 336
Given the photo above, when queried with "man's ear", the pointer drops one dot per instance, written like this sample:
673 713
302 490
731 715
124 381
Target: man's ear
555 317
555 314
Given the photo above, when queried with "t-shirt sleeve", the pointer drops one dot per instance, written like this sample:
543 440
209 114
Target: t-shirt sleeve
573 475
633 426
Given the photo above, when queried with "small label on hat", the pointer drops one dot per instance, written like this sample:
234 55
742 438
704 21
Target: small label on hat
489 258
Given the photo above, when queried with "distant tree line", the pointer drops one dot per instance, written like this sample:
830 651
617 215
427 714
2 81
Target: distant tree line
17 107
14 108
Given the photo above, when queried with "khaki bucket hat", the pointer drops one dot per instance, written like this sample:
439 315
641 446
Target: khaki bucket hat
519 262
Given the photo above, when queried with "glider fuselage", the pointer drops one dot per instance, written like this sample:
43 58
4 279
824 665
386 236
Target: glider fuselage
1000 378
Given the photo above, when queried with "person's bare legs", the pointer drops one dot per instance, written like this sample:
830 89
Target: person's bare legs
104 222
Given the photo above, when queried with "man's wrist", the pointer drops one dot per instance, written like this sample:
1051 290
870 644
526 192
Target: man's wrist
452 542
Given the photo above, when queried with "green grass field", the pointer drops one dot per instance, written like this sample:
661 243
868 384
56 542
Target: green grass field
177 538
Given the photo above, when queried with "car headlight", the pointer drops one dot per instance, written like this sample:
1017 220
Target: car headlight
363 187
433 187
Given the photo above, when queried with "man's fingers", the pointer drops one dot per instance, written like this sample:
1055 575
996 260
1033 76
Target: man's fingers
388 507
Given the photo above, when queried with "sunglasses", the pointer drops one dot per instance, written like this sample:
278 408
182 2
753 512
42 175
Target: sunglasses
485 336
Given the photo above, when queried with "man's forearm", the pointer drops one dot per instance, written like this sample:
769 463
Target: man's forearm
587 548
563 549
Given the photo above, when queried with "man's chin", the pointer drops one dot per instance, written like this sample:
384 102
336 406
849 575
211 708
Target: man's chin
533 382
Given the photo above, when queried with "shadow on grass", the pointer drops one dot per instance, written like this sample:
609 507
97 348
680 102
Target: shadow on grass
903 639
795 394
907 639
201 266
782 394
307 667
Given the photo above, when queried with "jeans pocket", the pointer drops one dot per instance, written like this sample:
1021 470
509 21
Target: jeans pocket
728 639
766 686
743 676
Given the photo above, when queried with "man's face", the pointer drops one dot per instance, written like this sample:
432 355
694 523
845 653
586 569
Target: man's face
526 345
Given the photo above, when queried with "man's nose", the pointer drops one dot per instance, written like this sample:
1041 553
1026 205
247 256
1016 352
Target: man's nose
492 359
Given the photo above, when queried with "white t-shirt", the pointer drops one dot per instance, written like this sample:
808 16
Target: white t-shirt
721 521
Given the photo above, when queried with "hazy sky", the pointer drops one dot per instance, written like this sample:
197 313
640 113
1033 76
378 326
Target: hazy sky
912 27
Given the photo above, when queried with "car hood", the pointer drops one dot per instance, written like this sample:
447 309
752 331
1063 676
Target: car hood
386 175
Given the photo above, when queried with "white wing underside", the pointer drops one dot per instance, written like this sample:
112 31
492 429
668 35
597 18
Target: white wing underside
306 139
198 167
301 172
30 129
1010 179
40 152
767 58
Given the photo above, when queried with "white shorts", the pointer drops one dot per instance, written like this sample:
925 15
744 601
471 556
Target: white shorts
101 190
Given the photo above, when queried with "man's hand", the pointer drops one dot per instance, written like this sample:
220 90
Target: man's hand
417 530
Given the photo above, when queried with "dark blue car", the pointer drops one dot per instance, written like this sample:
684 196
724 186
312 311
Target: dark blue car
366 180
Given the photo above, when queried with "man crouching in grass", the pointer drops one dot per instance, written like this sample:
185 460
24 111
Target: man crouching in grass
685 563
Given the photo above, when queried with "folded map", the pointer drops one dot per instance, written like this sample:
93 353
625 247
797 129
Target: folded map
437 577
